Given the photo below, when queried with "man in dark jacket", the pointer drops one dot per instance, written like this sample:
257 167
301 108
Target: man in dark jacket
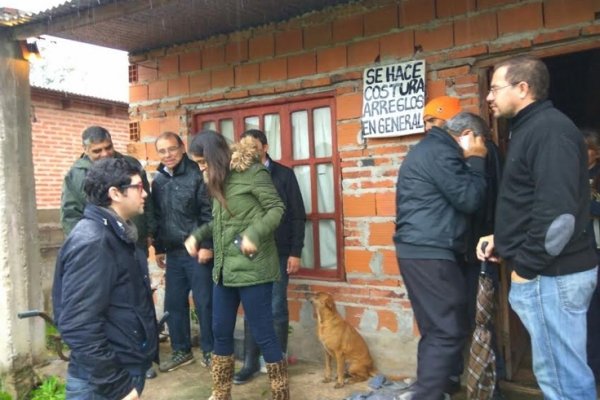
541 218
97 145
438 186
101 295
181 205
289 238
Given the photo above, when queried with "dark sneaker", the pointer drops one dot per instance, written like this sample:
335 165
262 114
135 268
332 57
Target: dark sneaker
206 356
178 359
151 374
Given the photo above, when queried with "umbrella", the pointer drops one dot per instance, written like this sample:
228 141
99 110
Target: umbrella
481 370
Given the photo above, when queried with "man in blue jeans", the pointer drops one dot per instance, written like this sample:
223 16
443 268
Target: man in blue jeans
289 238
182 205
541 219
101 295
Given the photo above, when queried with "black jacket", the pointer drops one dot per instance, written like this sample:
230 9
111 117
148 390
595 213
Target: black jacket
181 204
103 304
543 204
289 236
436 191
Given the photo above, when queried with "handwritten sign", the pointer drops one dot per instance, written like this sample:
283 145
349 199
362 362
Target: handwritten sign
393 99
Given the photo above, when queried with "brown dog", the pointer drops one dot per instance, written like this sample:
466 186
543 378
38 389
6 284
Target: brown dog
341 341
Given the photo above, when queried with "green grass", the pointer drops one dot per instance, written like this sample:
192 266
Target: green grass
52 388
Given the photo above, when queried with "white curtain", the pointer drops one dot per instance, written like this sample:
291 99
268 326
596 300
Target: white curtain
300 135
308 251
303 176
227 130
327 243
322 131
273 132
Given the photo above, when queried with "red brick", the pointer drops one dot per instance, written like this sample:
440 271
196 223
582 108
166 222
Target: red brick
592 29
381 20
385 204
347 28
149 127
261 91
190 62
236 52
238 94
317 36
331 59
380 233
138 93
168 66
527 17
556 36
560 13
451 8
475 29
137 150
506 47
471 51
349 106
483 4
302 65
294 308
213 57
157 90
261 46
200 82
437 38
178 86
397 45
273 70
347 134
435 88
416 12
246 74
390 262
317 82
289 41
387 320
456 71
221 78
359 206
147 71
151 153
363 53
357 261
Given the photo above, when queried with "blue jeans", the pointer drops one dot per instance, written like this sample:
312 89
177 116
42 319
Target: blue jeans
256 300
82 389
553 310
280 304
184 273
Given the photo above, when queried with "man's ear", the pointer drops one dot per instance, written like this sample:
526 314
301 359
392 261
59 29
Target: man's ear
114 193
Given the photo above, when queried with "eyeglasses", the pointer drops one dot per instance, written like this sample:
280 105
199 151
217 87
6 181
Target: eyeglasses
170 150
494 89
139 186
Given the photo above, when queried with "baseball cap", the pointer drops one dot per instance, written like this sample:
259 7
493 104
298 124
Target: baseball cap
443 107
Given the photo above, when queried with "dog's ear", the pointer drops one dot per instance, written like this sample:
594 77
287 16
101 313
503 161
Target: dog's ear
329 303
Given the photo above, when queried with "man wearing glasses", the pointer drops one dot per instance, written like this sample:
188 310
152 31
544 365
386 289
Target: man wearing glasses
181 205
540 232
101 294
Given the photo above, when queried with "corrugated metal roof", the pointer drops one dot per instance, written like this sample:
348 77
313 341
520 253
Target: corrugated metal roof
139 25
81 95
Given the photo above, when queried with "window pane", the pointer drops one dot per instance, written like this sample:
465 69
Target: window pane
303 176
300 135
322 131
325 199
251 123
227 130
327 243
209 125
308 251
273 132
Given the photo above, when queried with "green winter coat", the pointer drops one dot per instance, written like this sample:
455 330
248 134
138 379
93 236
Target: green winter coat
72 201
255 210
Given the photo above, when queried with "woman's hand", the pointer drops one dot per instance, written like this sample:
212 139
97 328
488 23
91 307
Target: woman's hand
247 247
191 245
205 255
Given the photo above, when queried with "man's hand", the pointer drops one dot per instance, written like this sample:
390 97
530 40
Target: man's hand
514 277
161 260
293 264
191 245
133 395
247 247
488 254
205 255
476 146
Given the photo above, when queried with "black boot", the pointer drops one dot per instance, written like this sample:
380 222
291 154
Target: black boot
251 353
281 330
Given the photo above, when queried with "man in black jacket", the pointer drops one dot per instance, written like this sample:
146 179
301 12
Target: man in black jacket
182 205
541 218
439 185
101 295
289 238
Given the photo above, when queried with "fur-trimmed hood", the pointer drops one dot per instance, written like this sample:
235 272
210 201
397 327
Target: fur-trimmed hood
244 154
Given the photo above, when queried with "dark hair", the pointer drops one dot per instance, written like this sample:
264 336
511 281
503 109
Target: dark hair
466 120
256 134
213 147
95 134
105 174
528 69
592 138
169 135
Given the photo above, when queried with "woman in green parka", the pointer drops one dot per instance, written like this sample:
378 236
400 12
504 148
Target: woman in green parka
246 212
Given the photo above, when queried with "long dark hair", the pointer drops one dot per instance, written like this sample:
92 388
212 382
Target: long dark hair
214 148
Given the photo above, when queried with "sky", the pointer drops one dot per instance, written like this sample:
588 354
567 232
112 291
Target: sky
73 66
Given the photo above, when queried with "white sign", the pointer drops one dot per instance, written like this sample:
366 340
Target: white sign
393 99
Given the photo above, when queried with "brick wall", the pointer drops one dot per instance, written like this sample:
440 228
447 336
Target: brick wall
58 119
327 51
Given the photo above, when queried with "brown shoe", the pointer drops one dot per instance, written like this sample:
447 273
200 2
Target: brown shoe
222 376
278 376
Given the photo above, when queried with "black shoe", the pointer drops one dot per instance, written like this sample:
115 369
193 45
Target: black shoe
151 373
245 375
178 359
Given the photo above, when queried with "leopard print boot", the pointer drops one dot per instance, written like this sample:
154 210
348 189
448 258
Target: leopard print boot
278 375
222 376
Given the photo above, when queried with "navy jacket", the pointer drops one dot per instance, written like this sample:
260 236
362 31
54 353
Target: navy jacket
103 305
436 191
